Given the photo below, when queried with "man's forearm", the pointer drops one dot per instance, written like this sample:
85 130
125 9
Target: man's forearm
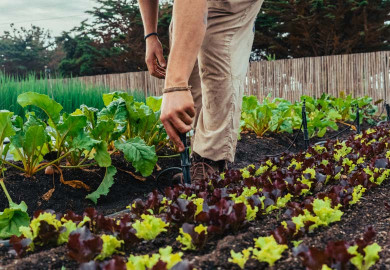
189 28
149 12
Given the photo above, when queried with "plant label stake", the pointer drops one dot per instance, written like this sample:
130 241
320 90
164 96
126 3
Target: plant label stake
357 119
387 106
304 123
185 160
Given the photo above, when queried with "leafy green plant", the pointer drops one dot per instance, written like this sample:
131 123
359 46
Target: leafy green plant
323 113
269 115
324 215
150 227
111 245
192 237
66 130
268 250
240 258
46 229
135 119
367 259
165 255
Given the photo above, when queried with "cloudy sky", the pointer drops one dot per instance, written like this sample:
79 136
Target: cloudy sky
54 15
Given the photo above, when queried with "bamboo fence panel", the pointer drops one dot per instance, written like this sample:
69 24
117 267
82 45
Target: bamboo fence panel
356 74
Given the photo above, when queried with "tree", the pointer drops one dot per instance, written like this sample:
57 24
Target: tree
26 50
302 28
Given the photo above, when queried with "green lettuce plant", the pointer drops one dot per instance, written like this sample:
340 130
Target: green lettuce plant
150 227
111 245
149 261
366 260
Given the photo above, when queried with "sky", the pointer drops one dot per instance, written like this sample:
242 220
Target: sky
54 15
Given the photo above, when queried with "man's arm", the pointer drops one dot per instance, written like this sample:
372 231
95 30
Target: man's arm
154 57
189 28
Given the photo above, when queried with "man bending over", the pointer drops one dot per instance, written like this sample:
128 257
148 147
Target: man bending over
211 42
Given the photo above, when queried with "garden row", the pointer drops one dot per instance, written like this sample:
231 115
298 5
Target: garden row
313 188
323 114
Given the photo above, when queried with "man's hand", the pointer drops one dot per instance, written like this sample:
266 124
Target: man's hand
177 112
154 57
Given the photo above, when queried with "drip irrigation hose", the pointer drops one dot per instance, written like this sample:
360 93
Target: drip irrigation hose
291 145
185 165
157 182
357 119
342 131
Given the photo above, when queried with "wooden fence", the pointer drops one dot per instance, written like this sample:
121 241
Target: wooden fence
356 74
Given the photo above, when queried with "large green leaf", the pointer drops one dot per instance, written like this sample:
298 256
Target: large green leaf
35 138
102 156
104 186
116 111
154 103
12 218
73 125
44 102
142 157
83 142
110 97
90 113
103 129
32 120
249 103
6 129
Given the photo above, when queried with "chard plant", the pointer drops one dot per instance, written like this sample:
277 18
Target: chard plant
135 119
67 131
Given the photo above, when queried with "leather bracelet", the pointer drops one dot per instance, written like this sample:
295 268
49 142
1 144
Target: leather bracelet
151 34
176 89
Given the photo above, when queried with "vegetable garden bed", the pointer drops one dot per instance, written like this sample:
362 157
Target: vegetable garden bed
360 210
275 209
126 188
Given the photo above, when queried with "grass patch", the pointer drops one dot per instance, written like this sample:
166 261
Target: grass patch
71 94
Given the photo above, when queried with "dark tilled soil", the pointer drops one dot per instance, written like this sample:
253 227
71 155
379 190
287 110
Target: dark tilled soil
370 211
125 189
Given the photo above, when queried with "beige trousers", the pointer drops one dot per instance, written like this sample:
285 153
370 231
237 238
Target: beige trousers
218 78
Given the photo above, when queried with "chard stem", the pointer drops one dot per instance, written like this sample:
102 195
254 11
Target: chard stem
84 159
52 162
78 166
171 156
5 191
13 165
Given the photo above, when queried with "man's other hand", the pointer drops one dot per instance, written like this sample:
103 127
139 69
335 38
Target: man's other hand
154 57
177 112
